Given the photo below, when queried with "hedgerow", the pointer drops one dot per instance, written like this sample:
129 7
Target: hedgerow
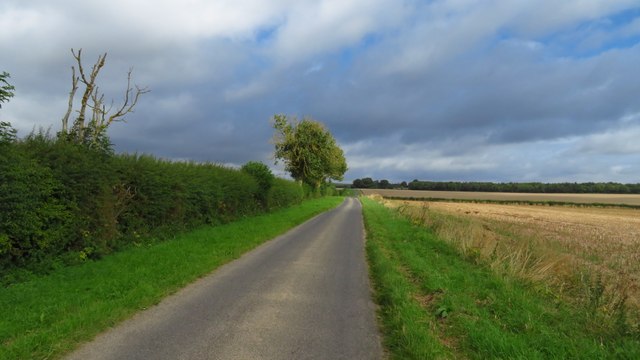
60 200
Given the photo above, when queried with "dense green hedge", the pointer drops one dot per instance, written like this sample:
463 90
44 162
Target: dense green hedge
60 200
283 193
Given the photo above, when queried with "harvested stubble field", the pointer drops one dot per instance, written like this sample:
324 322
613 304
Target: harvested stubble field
613 199
553 244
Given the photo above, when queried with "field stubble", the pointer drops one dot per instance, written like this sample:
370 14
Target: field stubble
589 255
605 199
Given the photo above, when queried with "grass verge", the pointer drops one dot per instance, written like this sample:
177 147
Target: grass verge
437 303
48 316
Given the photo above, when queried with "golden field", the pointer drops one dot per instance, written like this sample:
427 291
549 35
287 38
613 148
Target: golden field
572 250
624 199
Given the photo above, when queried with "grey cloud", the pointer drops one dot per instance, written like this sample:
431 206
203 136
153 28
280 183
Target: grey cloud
478 94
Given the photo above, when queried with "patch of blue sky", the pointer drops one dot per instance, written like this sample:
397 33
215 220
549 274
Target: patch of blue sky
625 17
266 35
594 37
347 55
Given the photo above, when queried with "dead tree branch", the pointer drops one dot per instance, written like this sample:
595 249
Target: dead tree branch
129 101
89 87
72 94
94 132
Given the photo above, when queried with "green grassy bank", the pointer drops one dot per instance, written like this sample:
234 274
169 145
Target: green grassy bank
435 303
50 315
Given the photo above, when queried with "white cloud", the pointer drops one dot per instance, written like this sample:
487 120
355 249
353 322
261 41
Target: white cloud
161 19
624 141
461 88
379 155
27 112
251 90
447 29
316 27
541 17
17 23
198 18
314 68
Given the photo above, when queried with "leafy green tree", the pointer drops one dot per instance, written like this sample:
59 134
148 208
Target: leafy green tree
8 134
308 150
368 183
6 89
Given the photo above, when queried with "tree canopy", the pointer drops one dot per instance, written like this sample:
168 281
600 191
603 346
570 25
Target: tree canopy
369 183
6 89
308 150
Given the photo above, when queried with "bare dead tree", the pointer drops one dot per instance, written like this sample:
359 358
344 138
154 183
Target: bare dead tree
99 111
88 90
72 94
94 132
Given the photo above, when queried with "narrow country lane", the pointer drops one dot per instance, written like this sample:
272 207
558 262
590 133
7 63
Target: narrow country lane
303 295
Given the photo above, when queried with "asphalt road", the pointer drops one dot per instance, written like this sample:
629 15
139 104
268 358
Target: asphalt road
303 295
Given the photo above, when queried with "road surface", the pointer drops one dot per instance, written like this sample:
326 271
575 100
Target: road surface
303 295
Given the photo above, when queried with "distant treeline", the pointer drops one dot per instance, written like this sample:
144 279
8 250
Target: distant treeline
369 183
529 187
67 202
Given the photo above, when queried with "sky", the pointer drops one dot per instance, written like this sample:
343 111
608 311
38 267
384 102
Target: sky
443 90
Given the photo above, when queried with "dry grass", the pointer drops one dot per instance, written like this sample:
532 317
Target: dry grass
590 254
613 199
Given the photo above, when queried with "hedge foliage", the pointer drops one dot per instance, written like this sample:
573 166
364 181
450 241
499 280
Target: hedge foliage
60 200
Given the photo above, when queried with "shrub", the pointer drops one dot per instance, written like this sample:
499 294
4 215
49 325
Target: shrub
86 178
284 193
178 195
34 222
261 173
263 176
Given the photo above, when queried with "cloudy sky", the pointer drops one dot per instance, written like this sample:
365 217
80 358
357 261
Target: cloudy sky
491 90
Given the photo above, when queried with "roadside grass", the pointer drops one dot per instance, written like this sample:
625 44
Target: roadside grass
436 302
545 257
50 315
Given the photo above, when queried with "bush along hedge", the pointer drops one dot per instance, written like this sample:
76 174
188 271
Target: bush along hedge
61 201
